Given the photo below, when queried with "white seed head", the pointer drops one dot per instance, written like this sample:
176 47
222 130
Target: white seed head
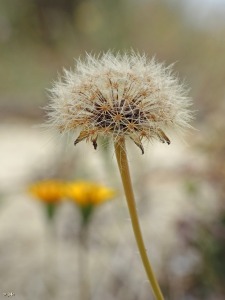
119 96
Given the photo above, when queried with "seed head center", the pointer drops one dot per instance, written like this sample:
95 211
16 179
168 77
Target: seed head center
117 117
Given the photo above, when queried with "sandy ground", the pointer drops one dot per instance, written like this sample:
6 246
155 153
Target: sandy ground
30 254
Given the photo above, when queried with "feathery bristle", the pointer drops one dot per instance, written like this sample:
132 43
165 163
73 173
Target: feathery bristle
119 96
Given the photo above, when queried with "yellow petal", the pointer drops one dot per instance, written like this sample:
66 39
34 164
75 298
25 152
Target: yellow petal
48 191
88 193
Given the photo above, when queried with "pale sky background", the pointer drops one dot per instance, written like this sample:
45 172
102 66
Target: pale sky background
205 14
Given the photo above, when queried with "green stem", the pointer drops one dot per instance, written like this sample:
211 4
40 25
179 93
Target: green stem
122 161
83 262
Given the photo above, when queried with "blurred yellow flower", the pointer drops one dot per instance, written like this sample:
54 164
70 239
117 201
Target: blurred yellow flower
48 191
86 193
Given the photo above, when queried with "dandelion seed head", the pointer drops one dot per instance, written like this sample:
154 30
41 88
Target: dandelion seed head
119 96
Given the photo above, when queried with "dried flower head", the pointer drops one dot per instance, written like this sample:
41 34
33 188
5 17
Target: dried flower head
119 96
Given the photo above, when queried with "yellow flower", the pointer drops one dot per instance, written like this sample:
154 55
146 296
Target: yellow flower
48 191
86 193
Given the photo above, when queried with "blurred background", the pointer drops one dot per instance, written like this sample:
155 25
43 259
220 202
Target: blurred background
180 189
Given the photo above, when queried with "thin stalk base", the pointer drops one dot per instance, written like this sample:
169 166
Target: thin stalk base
125 176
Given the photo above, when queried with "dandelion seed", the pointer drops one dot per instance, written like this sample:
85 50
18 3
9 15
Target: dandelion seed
119 96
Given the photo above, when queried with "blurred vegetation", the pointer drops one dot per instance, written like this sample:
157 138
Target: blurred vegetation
40 37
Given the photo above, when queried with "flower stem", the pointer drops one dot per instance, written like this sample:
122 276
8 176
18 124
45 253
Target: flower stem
83 263
127 185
